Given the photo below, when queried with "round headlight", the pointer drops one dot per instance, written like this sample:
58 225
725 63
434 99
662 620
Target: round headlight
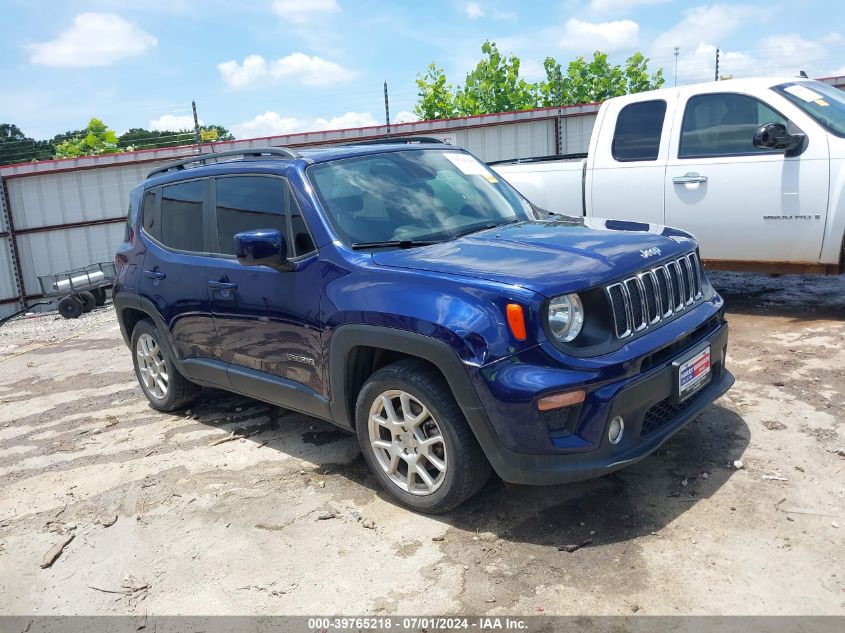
566 317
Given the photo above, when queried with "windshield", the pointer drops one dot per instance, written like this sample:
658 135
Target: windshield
824 103
413 196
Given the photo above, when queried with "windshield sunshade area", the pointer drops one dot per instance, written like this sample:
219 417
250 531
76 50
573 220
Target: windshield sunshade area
414 196
822 102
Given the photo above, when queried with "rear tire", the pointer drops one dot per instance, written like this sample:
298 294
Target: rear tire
70 307
416 440
162 384
88 301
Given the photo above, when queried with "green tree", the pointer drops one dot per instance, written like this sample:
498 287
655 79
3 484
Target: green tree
16 147
140 138
97 139
636 72
436 97
595 80
495 85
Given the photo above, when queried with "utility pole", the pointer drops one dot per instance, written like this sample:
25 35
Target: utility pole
386 110
196 124
677 52
717 63
559 113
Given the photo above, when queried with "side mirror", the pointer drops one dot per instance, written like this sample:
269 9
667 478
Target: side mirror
262 247
774 136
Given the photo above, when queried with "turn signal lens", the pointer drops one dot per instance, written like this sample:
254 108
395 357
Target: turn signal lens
561 400
516 321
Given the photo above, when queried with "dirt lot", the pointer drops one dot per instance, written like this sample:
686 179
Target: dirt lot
177 522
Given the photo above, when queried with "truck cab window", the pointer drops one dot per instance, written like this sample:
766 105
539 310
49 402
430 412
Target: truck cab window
723 125
638 130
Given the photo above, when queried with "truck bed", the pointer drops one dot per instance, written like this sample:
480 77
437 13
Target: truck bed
561 193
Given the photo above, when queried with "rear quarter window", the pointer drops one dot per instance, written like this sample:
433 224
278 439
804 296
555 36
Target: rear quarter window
638 130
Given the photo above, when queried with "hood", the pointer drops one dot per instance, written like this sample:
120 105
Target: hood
550 258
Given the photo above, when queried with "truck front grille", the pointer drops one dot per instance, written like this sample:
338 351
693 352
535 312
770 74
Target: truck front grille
655 294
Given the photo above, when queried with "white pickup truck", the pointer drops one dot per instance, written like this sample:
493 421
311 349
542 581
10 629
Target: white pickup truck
754 168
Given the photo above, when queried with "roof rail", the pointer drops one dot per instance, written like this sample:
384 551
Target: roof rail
398 140
257 152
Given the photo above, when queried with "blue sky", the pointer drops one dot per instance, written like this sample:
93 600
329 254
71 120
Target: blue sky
278 66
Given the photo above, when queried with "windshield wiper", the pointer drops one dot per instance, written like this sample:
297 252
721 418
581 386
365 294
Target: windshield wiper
483 227
394 243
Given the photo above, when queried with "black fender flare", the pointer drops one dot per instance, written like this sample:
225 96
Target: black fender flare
346 337
142 304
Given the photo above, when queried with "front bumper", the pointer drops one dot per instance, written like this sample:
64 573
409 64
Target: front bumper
523 450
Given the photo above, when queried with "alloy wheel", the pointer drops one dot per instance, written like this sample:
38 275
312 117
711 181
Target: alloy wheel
407 442
152 367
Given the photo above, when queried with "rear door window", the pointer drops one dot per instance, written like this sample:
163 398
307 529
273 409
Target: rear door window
181 216
723 125
638 130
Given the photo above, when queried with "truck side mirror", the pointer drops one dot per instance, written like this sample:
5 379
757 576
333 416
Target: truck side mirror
775 137
262 247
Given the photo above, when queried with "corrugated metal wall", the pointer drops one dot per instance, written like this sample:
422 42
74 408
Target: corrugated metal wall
50 200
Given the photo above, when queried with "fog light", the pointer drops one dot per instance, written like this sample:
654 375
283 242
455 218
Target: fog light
616 429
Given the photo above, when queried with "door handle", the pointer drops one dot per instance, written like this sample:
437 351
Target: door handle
689 179
222 285
154 274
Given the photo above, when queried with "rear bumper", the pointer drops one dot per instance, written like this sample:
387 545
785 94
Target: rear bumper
644 401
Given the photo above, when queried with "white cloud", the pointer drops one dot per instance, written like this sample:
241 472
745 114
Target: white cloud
406 117
309 70
173 122
604 36
304 11
350 119
273 124
777 54
615 6
94 39
474 10
700 25
792 53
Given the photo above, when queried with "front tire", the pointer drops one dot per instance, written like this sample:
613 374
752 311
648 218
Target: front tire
162 384
416 440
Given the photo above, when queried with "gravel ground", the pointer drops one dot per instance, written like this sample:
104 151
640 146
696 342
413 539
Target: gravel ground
38 328
743 512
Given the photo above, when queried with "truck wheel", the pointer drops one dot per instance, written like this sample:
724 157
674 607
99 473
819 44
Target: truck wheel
161 382
416 440
99 296
70 307
88 301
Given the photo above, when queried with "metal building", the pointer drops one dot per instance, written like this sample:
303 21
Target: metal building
57 215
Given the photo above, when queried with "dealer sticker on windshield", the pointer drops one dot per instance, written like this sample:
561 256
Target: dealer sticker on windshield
467 164
694 374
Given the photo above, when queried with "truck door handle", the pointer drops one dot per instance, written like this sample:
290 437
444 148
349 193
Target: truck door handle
154 274
689 179
222 285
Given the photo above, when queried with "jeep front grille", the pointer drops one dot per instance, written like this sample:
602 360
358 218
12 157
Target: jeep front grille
655 294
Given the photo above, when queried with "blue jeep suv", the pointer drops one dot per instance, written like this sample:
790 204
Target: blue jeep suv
404 292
